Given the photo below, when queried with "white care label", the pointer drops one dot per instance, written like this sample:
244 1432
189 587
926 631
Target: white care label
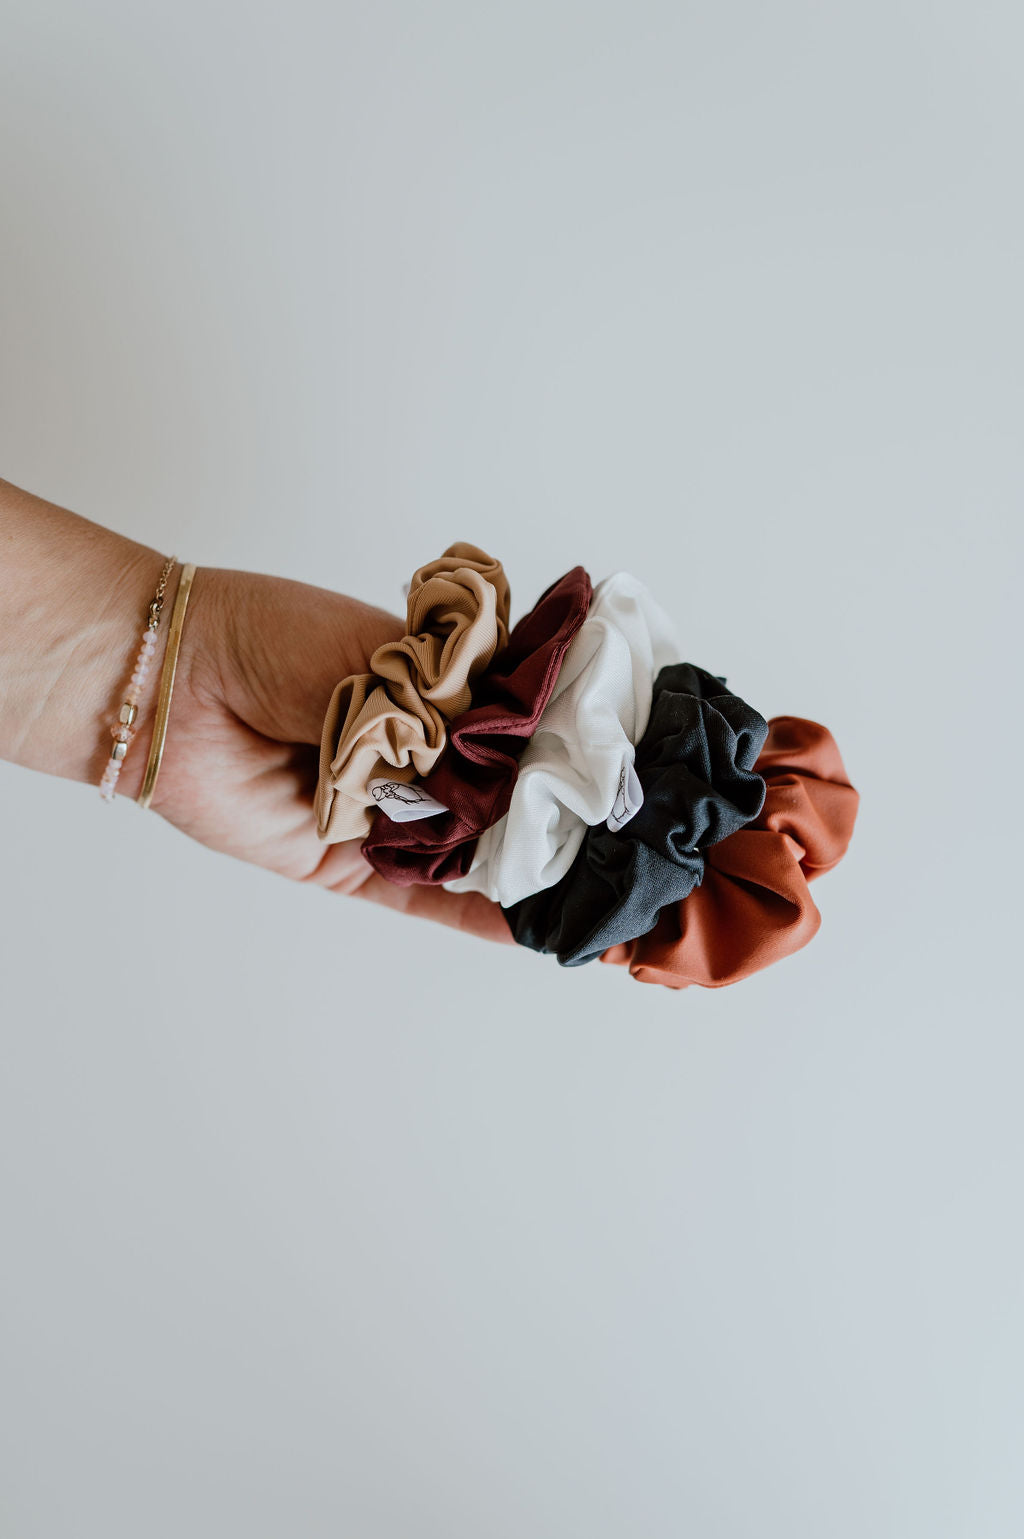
629 798
403 803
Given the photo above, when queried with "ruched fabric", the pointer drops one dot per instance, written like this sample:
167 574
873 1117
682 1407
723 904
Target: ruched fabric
695 764
572 769
753 906
392 721
475 776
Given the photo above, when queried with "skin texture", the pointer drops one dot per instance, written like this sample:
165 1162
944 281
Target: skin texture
259 659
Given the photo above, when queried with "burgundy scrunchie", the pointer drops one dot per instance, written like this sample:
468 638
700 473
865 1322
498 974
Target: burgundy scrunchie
475 777
753 906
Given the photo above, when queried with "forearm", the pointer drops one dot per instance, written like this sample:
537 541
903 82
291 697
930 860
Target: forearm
73 605
259 660
73 602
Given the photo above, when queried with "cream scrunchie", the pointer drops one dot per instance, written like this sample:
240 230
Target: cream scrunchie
392 721
573 770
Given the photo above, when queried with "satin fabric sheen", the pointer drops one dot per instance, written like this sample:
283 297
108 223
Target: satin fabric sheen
569 772
753 906
695 763
475 776
392 721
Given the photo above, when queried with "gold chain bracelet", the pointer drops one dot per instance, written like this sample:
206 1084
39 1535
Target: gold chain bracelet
163 705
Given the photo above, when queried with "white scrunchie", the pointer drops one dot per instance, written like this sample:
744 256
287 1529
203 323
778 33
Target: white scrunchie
578 764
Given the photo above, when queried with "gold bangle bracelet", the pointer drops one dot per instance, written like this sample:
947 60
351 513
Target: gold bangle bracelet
163 705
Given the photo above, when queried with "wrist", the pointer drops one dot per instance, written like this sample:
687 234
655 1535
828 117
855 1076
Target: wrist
73 607
133 723
114 660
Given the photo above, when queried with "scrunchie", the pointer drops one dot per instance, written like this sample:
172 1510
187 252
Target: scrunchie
695 763
753 907
392 721
475 775
573 768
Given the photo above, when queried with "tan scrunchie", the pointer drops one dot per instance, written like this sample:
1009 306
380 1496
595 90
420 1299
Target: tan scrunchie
392 721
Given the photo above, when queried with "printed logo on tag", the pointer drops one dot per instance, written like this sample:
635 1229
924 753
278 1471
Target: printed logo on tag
404 803
629 798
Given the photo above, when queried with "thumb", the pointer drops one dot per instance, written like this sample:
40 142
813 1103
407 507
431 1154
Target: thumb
282 646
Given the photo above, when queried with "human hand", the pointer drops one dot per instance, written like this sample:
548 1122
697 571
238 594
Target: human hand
259 660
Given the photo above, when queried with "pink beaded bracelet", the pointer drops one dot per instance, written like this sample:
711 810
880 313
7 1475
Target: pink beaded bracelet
123 729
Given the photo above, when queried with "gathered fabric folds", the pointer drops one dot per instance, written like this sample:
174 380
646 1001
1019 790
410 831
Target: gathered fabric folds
695 765
753 906
393 720
613 801
474 779
573 770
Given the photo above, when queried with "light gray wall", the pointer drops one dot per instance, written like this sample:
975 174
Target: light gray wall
728 295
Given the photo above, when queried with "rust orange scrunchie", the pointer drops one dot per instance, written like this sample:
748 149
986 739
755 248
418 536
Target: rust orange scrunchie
753 906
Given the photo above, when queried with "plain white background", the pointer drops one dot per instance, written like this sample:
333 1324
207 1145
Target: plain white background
318 1222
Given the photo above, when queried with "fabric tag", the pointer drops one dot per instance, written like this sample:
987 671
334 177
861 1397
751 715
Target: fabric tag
403 803
629 798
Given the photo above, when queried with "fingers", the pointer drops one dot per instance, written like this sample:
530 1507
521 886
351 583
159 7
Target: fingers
344 869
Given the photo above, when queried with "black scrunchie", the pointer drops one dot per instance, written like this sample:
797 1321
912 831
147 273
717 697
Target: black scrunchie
695 763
